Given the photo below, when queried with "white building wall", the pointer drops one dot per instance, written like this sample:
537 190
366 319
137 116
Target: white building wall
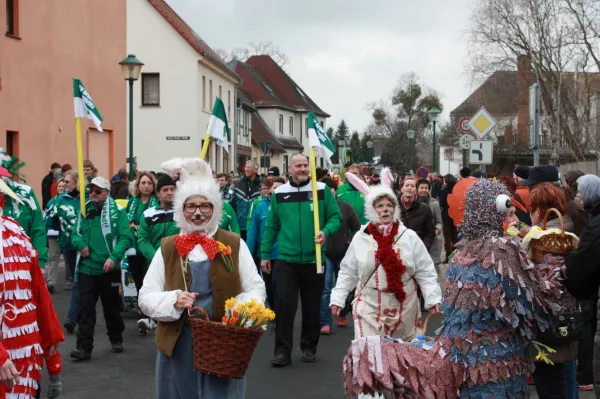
157 44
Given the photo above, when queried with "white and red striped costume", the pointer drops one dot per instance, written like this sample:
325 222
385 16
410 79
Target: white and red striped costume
28 321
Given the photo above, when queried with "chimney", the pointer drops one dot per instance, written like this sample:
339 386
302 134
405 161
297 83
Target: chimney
509 137
524 80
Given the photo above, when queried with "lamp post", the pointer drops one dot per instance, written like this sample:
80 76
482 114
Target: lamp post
131 67
433 115
411 135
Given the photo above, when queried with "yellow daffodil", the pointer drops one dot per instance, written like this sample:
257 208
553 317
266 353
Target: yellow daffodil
230 304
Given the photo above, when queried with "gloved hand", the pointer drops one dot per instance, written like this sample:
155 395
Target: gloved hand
54 387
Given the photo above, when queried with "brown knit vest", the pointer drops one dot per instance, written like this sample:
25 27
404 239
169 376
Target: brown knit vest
224 285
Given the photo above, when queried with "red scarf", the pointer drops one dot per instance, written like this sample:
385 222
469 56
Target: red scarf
390 260
186 243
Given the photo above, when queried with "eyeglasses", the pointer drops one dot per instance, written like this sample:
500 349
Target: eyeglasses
68 181
204 208
96 191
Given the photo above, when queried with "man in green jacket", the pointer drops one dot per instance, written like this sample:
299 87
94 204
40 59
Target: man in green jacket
101 238
291 219
229 220
157 223
349 194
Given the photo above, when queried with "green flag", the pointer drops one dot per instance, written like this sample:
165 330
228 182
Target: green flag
217 126
318 139
84 106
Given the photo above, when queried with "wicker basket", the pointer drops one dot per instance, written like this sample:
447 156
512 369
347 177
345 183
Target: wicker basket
220 349
555 244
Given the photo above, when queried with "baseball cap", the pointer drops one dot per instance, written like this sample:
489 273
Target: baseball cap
100 182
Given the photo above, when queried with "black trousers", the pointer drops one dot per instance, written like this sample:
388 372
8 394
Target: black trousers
138 268
549 380
70 260
106 286
289 279
585 366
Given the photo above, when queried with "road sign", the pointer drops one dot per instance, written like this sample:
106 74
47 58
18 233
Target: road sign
265 146
482 123
448 154
422 173
464 141
481 152
265 161
464 125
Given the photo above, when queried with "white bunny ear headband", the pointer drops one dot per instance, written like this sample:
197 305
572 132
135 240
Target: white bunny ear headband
374 192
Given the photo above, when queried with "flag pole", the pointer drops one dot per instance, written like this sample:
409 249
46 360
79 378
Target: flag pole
315 198
205 147
80 166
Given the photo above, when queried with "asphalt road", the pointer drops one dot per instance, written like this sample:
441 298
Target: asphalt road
131 374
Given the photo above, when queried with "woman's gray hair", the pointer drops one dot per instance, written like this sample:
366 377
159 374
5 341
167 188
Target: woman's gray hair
589 187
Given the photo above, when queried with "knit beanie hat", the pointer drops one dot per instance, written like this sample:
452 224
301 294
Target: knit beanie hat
164 180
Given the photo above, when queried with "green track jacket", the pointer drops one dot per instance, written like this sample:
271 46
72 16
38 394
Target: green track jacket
229 220
29 216
155 224
291 219
347 193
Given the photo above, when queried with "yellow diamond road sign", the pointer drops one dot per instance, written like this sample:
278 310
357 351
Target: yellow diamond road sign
482 123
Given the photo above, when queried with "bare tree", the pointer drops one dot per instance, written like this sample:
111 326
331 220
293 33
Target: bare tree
559 35
255 48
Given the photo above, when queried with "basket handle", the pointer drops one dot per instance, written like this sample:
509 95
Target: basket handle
426 322
198 309
560 218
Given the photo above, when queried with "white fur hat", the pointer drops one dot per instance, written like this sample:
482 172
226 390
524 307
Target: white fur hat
195 179
375 192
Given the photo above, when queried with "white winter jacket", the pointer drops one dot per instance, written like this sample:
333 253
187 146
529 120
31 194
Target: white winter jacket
359 262
158 304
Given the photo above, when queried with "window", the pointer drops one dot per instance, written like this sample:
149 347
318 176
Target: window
210 94
322 124
246 123
281 124
306 127
12 18
300 91
12 143
229 104
150 89
240 113
291 126
203 92
285 163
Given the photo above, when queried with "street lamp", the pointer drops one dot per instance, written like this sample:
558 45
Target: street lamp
433 115
370 151
411 135
131 67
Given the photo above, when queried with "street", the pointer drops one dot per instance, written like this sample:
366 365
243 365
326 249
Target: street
131 374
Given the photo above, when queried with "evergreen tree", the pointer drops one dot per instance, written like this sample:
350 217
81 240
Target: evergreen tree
331 135
355 146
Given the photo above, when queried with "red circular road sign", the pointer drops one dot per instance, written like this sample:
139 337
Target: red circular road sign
464 125
422 173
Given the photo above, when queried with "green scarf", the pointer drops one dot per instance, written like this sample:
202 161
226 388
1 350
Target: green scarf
135 202
108 222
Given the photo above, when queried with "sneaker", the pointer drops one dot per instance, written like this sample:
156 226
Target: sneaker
281 361
152 324
80 355
143 326
308 357
342 321
117 347
325 330
589 387
70 327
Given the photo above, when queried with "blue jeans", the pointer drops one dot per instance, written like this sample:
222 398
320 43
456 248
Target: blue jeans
74 304
331 270
570 373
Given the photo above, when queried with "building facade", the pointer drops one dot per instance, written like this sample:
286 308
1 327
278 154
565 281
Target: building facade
175 94
44 46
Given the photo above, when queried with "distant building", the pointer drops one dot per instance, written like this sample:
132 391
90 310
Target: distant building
46 44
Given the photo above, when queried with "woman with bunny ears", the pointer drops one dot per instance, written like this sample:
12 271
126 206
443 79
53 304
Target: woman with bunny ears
386 262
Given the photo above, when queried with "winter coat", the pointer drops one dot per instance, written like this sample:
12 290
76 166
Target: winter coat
436 248
291 220
61 215
46 189
243 193
419 219
252 209
119 189
347 193
229 221
443 200
256 231
155 225
338 243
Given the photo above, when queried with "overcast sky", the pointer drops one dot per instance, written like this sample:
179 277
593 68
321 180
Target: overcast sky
346 53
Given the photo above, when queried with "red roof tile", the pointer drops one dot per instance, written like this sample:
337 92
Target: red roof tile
498 94
189 35
268 85
261 132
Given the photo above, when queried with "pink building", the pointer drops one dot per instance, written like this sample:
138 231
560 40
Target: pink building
45 44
